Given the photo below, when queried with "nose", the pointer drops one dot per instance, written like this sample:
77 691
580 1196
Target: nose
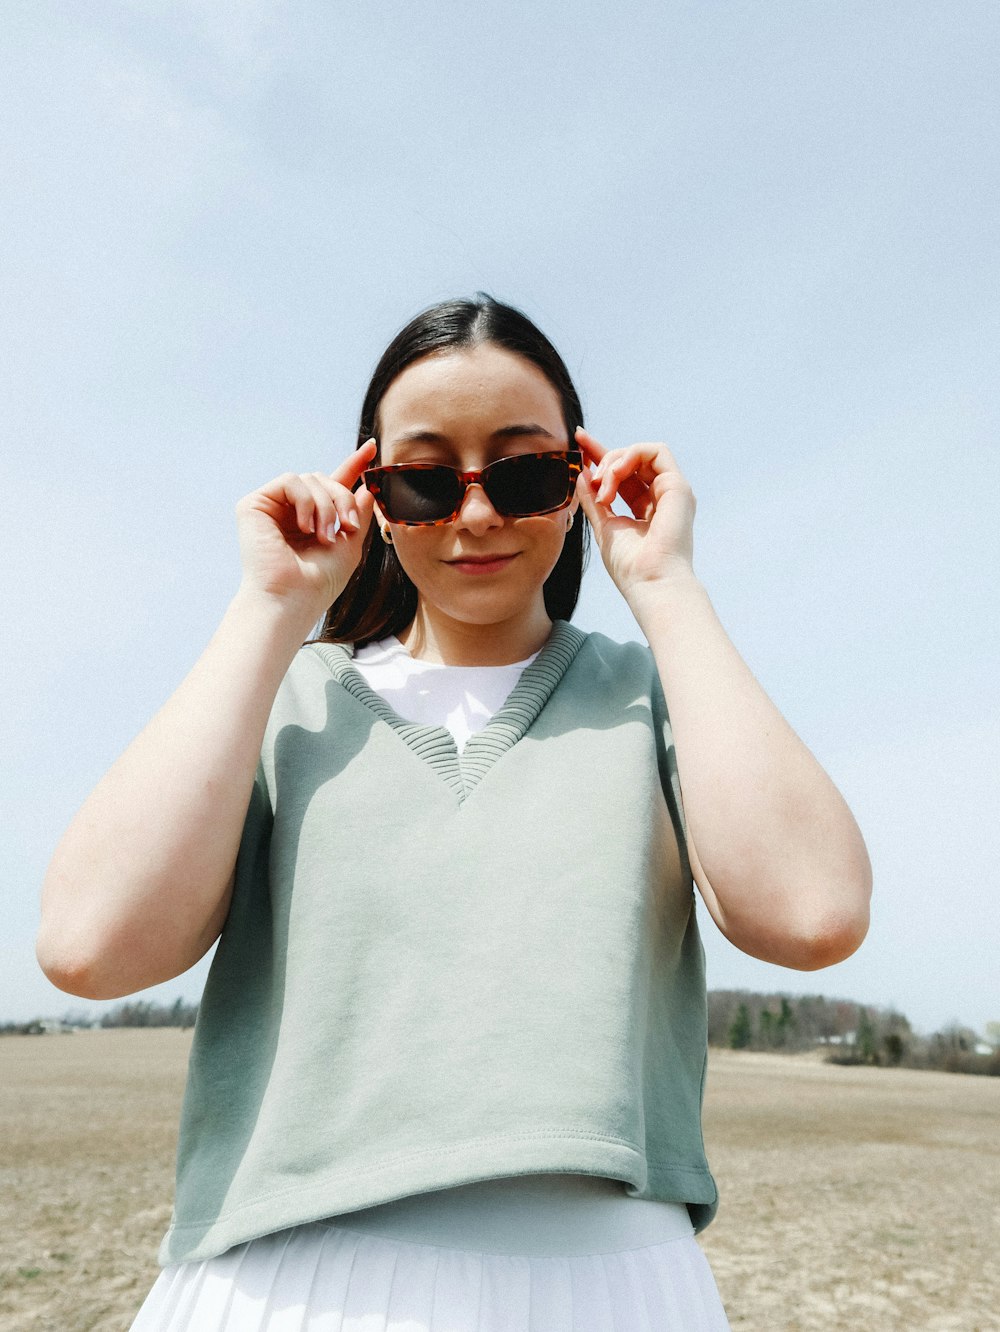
477 514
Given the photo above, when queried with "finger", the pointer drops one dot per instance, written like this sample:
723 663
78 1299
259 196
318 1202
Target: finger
290 502
657 459
364 502
344 508
600 516
350 470
634 492
597 515
324 506
614 469
593 450
639 498
591 477
631 472
653 458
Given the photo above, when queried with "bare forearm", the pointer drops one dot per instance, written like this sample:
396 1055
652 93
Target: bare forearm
783 867
139 885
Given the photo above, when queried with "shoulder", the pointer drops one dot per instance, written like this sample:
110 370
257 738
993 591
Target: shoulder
602 648
304 695
609 664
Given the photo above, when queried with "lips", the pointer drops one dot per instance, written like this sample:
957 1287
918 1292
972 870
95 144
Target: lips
482 559
482 566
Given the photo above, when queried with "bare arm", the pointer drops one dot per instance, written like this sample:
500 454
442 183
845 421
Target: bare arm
776 853
139 886
774 849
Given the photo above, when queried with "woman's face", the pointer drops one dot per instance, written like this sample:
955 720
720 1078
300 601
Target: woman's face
466 408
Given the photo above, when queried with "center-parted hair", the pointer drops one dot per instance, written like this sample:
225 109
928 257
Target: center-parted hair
379 598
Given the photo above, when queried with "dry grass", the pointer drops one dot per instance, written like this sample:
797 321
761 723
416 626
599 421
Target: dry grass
852 1199
88 1124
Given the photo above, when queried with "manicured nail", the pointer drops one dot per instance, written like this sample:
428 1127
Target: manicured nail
352 520
331 531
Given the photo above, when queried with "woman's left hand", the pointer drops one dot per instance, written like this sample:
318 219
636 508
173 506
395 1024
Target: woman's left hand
655 544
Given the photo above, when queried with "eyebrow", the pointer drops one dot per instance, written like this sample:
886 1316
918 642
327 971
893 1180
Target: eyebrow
521 430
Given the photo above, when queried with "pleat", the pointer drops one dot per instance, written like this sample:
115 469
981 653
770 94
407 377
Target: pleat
325 1278
592 1310
715 1316
288 1300
551 1296
369 1286
505 1305
327 1237
458 1279
183 1313
207 1298
627 1294
683 1280
666 1300
332 1280
163 1299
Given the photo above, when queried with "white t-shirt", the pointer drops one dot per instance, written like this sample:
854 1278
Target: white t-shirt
461 698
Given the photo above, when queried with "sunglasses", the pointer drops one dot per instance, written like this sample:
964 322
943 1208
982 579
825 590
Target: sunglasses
429 494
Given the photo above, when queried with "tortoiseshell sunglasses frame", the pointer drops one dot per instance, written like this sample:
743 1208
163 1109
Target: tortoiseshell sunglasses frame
372 479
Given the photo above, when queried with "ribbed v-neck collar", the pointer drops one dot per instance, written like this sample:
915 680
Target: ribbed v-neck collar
435 744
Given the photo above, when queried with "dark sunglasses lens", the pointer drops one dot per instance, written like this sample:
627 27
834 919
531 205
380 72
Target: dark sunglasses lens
423 495
528 485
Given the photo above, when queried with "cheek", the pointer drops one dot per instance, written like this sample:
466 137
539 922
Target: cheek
414 549
550 531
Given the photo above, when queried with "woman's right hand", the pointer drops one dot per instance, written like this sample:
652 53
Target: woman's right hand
288 544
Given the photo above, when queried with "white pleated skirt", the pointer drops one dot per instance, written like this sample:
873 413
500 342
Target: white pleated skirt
325 1277
524 1253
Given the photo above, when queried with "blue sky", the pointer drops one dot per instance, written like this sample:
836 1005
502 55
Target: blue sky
766 233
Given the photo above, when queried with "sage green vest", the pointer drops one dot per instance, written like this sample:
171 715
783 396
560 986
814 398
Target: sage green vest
439 969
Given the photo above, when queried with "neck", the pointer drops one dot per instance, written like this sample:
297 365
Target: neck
432 637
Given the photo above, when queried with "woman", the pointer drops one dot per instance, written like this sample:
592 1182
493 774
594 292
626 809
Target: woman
449 1060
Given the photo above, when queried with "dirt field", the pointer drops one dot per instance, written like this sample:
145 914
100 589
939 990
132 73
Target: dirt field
852 1199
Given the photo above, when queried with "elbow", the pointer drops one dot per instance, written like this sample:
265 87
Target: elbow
835 925
806 920
66 970
74 957
800 943
833 934
98 956
73 968
830 942
61 952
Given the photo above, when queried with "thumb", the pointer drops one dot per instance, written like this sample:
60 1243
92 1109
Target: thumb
596 514
364 502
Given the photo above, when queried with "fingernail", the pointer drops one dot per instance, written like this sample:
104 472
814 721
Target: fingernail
331 531
352 520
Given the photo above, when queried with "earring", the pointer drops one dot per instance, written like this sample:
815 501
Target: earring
386 535
571 519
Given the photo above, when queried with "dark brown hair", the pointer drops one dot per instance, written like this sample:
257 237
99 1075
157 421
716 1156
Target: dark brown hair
379 598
